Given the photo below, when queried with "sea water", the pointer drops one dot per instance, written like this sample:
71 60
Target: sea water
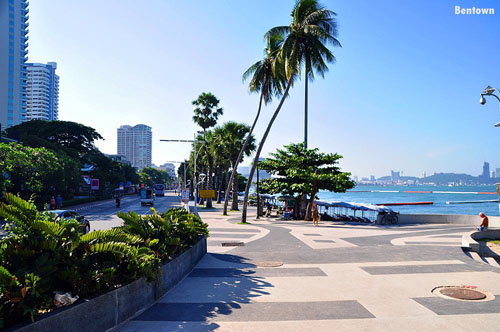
439 195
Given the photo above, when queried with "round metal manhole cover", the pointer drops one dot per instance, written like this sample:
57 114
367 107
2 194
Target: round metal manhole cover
268 264
463 293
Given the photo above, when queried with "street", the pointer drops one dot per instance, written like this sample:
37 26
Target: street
102 215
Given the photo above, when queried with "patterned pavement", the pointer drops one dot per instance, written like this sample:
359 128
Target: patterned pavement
333 277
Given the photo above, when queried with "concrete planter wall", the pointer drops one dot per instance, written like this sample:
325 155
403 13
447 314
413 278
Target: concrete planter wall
108 310
481 247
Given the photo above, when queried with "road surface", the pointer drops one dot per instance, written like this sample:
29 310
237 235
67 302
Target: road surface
102 215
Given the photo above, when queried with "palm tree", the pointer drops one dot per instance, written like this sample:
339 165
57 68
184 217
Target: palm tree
305 39
312 28
269 81
232 136
206 114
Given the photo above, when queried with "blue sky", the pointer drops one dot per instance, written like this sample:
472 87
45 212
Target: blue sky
403 94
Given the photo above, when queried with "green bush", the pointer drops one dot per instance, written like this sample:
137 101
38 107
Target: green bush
166 234
40 255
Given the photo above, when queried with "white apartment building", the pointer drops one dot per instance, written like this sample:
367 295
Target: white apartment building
134 143
42 92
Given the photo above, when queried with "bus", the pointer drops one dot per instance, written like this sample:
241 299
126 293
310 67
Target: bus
159 189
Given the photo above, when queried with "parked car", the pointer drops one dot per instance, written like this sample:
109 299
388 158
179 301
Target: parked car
71 214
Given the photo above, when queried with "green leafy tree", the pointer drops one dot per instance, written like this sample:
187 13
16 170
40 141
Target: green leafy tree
150 176
301 172
267 78
232 136
30 171
305 43
72 138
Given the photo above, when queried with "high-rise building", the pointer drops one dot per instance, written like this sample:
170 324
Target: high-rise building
134 143
372 178
13 56
395 176
497 173
42 92
486 170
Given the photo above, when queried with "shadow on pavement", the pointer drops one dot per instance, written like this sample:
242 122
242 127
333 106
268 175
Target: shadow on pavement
200 298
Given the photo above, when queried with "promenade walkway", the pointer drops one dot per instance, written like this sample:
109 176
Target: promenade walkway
343 277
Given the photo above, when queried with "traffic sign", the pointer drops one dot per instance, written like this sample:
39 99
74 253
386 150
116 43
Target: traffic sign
94 184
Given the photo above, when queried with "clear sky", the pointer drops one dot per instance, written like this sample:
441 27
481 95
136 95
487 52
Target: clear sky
403 95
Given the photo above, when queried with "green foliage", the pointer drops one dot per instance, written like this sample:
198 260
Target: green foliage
28 171
40 255
150 176
298 171
207 110
166 234
71 138
311 30
268 75
60 150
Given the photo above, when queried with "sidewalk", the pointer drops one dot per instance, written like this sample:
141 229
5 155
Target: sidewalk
275 275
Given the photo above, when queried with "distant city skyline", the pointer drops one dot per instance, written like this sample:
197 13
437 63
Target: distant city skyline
404 97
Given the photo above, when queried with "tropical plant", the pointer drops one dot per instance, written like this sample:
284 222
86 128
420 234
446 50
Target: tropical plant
305 43
311 30
40 255
301 172
206 113
232 136
268 78
166 234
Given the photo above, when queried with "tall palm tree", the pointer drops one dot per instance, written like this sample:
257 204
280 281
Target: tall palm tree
206 113
312 29
269 81
232 135
305 42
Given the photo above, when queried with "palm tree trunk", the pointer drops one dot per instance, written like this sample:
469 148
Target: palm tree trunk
234 204
219 185
305 111
259 149
242 151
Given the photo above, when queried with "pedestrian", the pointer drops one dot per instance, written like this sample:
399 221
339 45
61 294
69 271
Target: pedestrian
52 203
484 223
59 201
315 214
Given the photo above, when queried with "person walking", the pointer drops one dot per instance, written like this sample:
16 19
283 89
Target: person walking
484 223
52 203
59 201
315 214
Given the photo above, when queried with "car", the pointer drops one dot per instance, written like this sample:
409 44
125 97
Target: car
72 214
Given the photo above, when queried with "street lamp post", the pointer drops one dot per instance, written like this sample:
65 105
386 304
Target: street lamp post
258 193
490 91
195 156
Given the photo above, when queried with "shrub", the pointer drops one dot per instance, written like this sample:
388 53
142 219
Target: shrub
39 256
166 234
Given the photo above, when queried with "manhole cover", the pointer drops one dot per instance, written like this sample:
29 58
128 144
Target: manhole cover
233 244
268 264
463 293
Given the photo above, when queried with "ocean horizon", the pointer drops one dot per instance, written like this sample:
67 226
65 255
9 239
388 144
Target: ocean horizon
438 195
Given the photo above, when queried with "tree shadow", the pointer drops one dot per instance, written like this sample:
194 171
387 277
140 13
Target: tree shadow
207 294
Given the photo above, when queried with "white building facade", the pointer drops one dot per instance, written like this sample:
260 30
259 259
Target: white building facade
42 92
135 144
